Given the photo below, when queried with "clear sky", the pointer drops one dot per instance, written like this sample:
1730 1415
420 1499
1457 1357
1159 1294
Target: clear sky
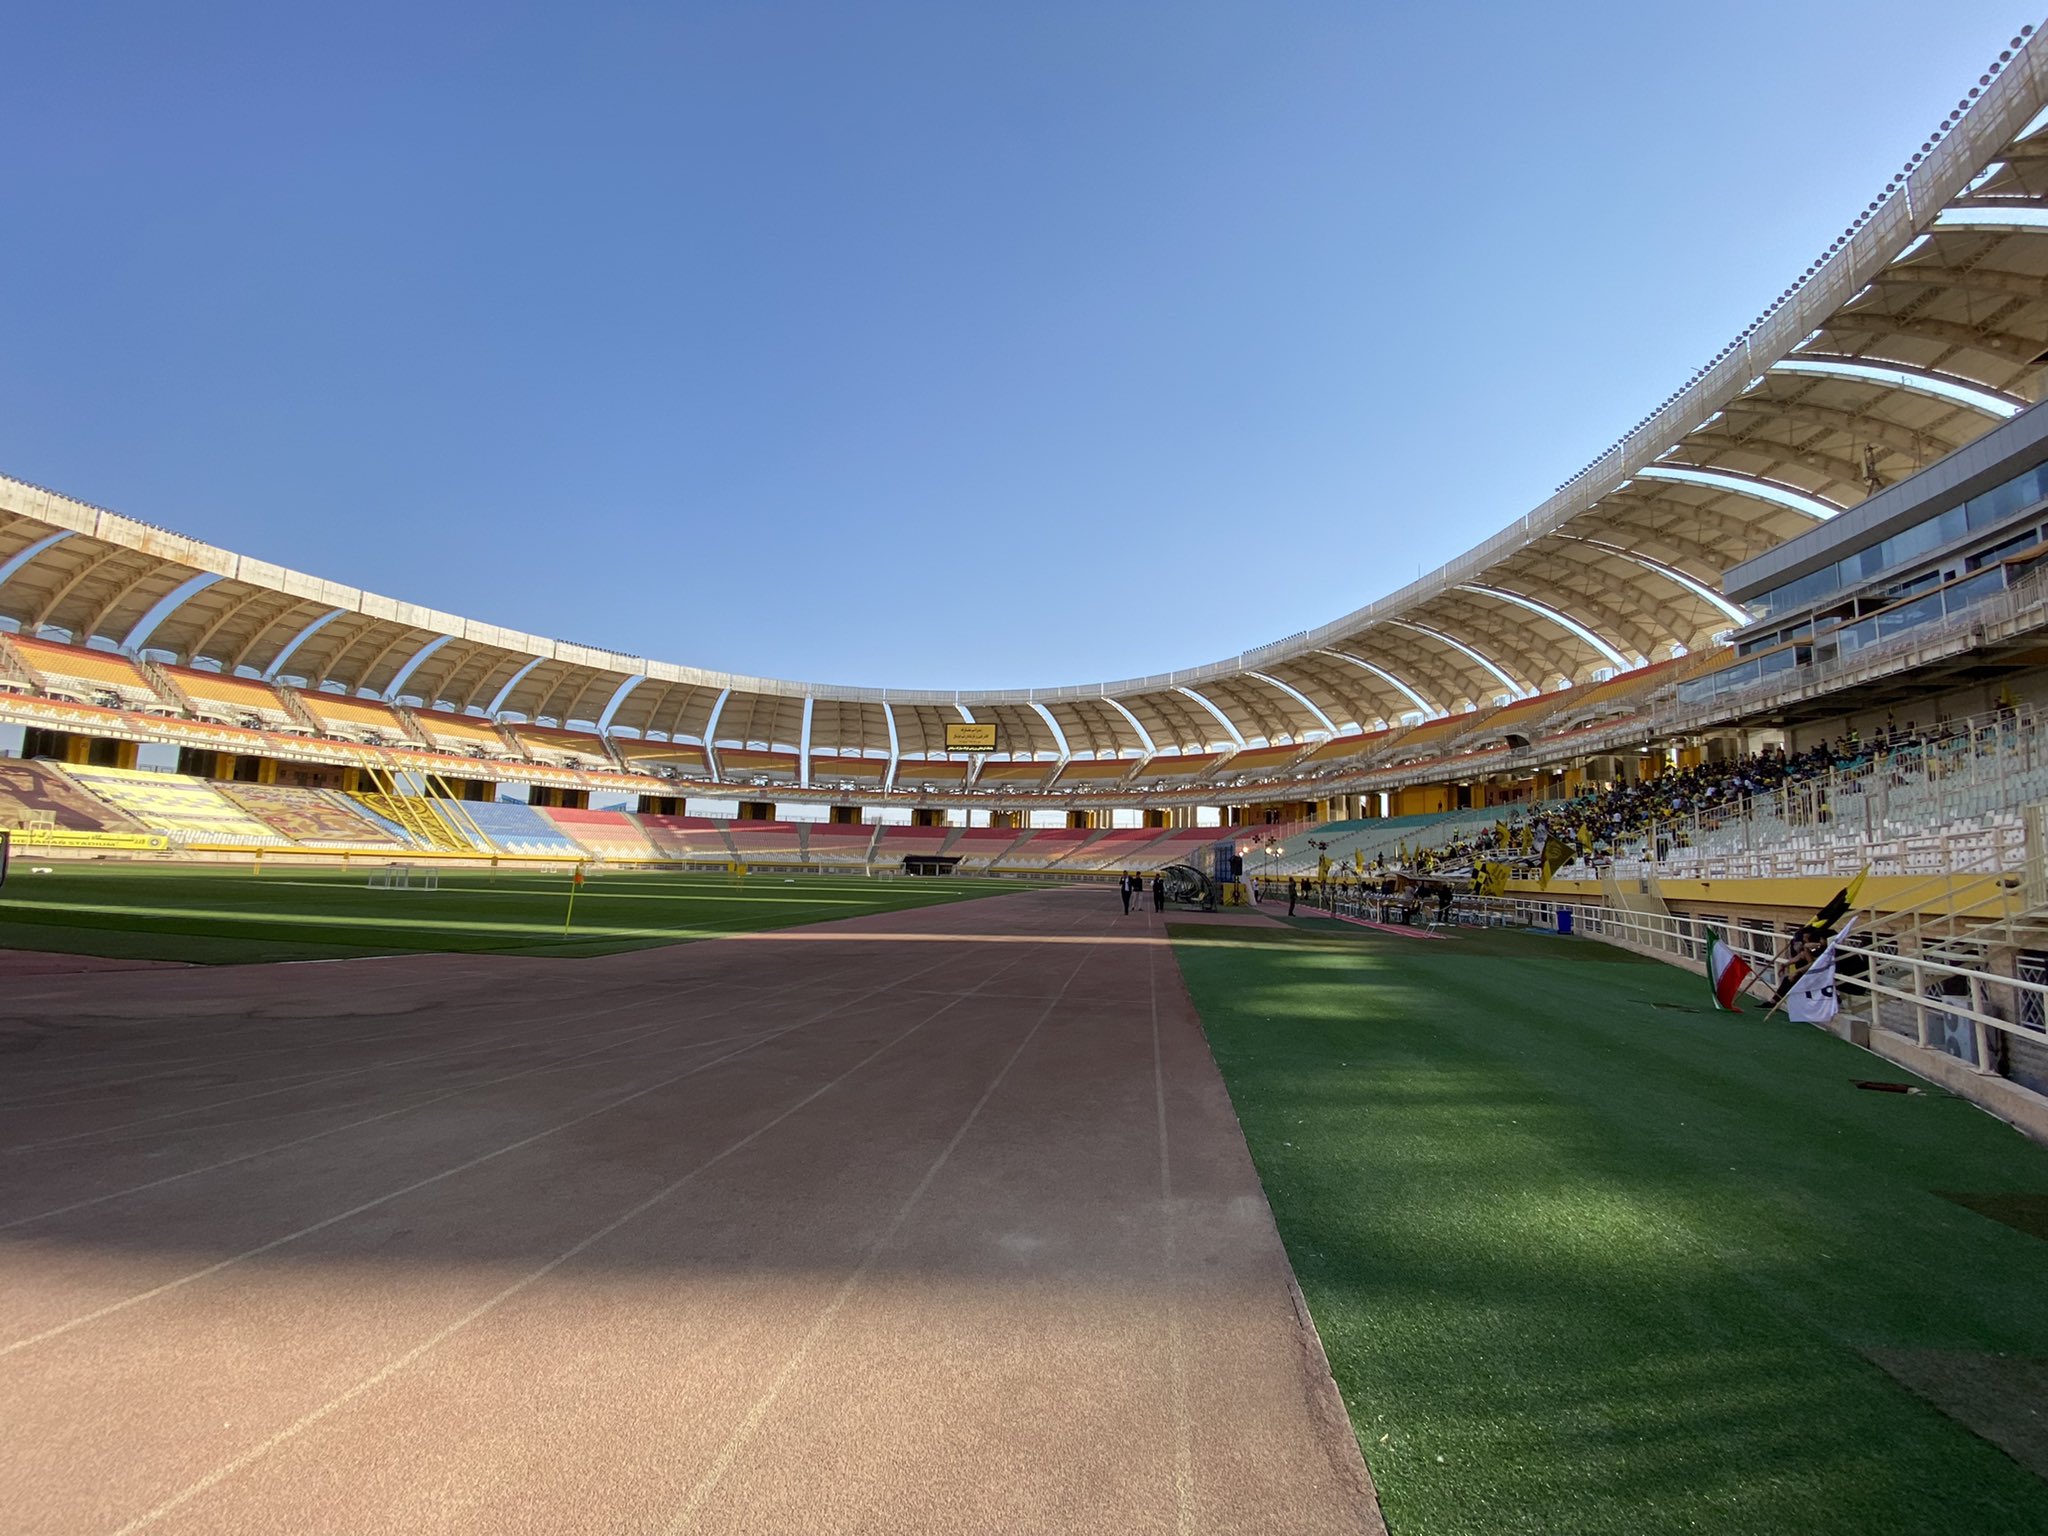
935 345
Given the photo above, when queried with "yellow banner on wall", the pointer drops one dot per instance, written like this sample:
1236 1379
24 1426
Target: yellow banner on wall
58 837
961 737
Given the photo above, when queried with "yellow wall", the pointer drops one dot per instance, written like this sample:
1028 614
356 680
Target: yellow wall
1421 800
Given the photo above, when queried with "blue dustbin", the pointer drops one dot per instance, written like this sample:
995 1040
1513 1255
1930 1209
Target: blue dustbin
1564 920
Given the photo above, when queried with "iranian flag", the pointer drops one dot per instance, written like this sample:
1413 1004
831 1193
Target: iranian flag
1726 970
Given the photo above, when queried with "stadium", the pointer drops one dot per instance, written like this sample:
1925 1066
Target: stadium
463 1080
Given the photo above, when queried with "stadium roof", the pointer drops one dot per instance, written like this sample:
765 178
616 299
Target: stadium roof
1921 327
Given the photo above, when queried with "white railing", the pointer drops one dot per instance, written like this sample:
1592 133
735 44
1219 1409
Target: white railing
1963 1010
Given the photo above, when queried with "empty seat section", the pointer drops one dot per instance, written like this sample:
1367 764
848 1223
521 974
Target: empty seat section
1107 770
564 749
692 838
608 834
1048 845
766 842
1177 769
462 733
1114 850
516 827
355 719
848 770
316 818
42 795
192 810
244 701
1263 760
899 843
1016 772
912 772
1341 748
979 847
829 844
93 677
661 756
742 763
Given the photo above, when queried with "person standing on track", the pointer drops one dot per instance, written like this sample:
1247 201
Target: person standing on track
1293 890
1159 893
1123 887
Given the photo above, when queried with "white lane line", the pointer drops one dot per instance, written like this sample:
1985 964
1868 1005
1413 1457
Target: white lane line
1176 1353
751 1422
391 1368
215 1268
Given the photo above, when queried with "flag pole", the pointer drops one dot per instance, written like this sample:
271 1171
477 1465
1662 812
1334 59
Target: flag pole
575 885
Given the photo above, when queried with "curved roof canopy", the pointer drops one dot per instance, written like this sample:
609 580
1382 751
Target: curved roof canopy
1920 328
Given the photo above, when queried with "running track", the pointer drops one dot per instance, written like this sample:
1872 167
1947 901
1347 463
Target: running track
912 1223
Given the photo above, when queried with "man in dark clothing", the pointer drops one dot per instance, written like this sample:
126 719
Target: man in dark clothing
1159 893
1123 887
1293 890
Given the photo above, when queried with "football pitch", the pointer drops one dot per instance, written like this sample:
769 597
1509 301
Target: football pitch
231 916
1588 1256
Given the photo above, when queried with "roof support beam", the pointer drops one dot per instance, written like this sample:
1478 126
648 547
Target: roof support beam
277 662
1563 621
17 561
1392 681
1512 685
1996 404
167 605
1753 486
405 671
1300 698
1236 737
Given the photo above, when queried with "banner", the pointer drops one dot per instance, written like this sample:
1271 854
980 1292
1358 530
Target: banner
59 837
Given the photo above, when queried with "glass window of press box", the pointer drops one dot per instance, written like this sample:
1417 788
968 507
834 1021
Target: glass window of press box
1874 611
1978 513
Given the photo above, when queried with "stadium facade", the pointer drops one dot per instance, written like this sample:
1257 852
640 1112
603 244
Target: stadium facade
1639 617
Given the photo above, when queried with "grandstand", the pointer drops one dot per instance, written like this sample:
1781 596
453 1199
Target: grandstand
1781 648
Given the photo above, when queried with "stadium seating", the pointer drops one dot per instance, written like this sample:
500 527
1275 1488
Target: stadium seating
1259 761
353 719
516 827
914 771
562 748
92 677
1046 847
899 843
850 770
190 810
42 795
984 847
692 838
1024 772
743 763
825 843
661 756
1092 771
1113 850
463 733
314 818
1191 765
608 834
245 701
778 842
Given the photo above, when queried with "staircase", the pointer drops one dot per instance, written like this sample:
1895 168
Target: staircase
296 708
15 669
161 681
421 821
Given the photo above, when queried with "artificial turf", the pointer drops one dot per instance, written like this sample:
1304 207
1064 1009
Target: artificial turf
230 915
1588 1257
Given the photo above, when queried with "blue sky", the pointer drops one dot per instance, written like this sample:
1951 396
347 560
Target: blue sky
934 345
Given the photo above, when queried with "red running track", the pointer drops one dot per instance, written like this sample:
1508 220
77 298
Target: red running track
927 1222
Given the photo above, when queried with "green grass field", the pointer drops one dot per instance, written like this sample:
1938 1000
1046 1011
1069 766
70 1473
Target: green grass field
1590 1258
228 916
